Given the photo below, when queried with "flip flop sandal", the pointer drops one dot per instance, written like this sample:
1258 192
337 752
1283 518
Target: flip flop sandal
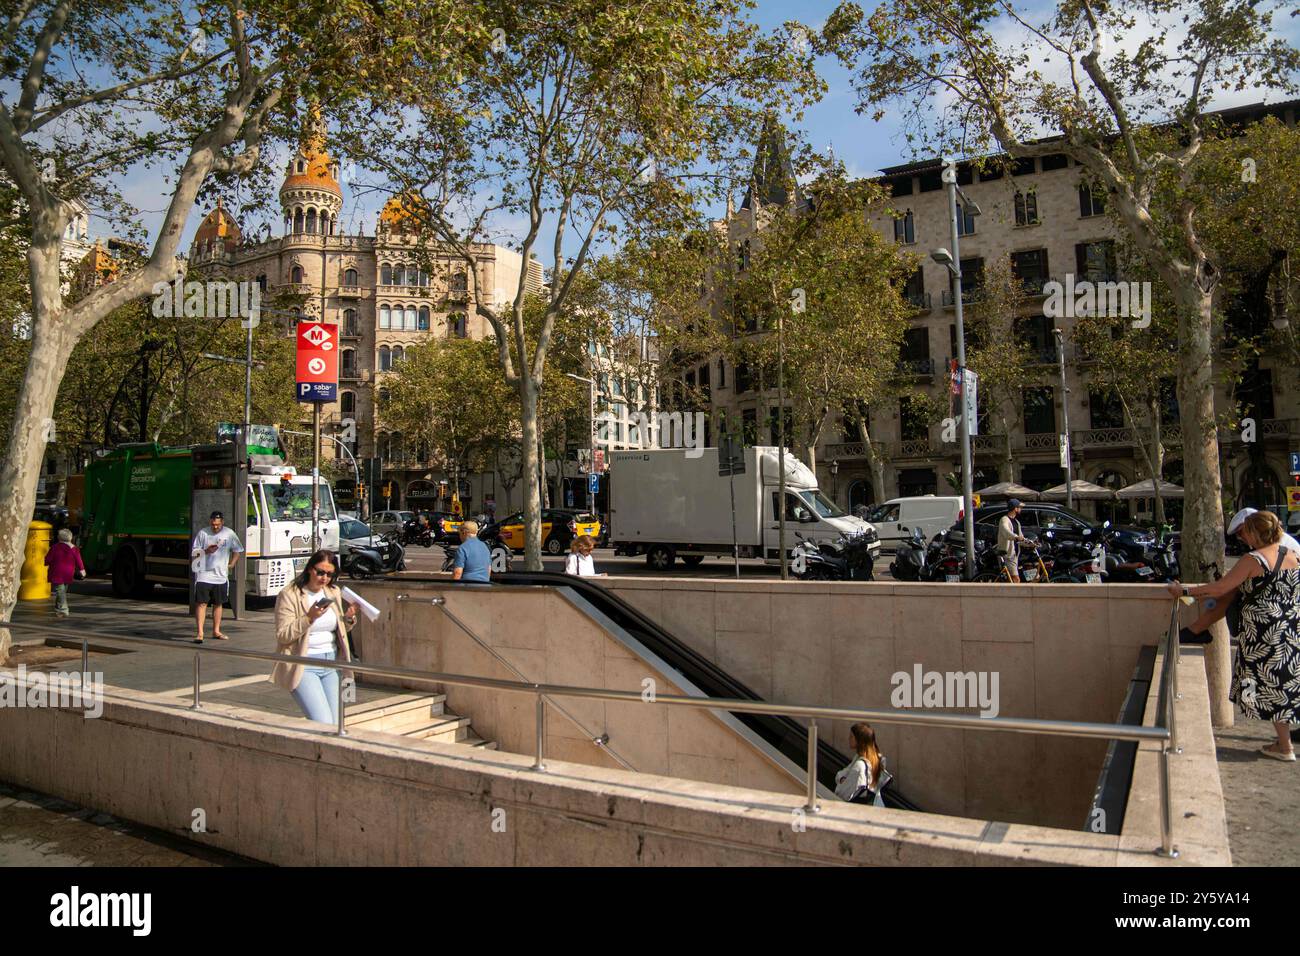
197 640
221 637
1288 756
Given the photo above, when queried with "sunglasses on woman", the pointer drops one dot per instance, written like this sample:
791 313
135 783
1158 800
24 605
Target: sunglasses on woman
320 573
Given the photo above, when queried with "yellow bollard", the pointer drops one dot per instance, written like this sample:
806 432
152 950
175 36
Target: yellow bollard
35 578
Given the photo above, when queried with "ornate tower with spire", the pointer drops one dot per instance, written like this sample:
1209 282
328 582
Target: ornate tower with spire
310 196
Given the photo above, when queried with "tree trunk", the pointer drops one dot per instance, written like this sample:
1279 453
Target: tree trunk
875 462
21 467
1202 537
1157 464
532 465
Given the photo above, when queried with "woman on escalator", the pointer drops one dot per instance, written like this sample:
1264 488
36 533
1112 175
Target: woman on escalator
865 777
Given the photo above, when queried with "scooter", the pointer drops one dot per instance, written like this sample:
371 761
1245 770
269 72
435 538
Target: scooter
846 559
909 562
374 560
415 533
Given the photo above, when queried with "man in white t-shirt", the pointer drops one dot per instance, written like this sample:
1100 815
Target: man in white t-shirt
214 552
1240 518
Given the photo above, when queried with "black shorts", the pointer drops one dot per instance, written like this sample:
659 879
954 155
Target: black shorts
205 593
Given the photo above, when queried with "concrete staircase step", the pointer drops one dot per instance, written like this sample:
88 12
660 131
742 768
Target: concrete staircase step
417 716
397 715
447 730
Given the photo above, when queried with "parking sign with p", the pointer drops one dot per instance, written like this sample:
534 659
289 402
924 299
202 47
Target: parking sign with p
318 362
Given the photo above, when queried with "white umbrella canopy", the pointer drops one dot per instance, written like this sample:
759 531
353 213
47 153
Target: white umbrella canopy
1008 489
1083 491
1146 489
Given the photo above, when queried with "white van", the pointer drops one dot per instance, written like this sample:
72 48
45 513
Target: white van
895 520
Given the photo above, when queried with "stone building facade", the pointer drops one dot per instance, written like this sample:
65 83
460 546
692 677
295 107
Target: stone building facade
384 296
1043 215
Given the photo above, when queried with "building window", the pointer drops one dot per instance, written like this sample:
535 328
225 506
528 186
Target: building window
965 222
348 400
914 290
1095 261
456 325
1105 410
385 317
297 220
311 221
1040 410
1026 208
744 378
412 319
398 355
261 282
349 363
1031 269
1053 161
295 275
905 228
742 256
459 282
749 426
386 274
385 358
1037 336
929 182
1023 167
350 278
911 420
902 186
350 322
424 318
722 373
1092 202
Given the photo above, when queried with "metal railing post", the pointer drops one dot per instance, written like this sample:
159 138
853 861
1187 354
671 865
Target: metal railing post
342 730
85 658
812 806
1167 848
539 764
195 705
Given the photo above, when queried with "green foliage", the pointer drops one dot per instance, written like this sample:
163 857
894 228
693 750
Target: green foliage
448 395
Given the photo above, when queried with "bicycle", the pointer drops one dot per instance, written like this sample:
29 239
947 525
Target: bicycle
1040 573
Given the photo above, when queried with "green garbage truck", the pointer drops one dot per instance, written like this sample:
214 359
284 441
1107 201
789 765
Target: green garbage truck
136 520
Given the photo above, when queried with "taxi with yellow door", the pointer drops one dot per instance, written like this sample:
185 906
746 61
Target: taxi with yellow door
559 528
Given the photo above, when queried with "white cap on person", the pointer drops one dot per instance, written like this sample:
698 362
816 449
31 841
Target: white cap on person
1239 519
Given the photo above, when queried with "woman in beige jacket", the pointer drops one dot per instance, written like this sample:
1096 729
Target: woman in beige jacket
310 621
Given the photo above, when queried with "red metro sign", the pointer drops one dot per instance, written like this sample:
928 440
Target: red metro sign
318 362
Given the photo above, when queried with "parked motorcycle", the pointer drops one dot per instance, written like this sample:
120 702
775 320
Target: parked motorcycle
909 562
415 533
846 559
371 561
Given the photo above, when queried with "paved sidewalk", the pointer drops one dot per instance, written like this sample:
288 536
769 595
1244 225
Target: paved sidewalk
1262 797
169 669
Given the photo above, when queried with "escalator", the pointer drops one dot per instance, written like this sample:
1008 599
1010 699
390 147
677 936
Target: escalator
784 733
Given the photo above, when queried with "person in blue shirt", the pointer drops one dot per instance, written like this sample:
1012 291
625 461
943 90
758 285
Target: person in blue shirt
473 560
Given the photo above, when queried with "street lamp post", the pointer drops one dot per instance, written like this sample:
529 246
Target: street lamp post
591 450
953 263
1065 420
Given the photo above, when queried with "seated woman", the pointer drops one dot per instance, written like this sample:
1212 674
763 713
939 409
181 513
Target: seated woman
864 778
1265 584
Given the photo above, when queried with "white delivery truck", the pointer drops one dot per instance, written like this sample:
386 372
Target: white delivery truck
666 504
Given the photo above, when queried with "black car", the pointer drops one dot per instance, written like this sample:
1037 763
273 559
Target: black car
1065 524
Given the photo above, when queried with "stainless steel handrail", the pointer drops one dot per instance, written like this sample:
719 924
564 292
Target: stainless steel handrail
600 740
1059 728
1165 718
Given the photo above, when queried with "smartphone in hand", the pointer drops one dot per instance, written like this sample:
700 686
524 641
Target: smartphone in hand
324 602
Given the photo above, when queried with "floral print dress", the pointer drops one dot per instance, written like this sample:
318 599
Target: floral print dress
1266 672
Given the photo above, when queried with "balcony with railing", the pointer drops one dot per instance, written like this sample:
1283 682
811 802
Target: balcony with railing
351 291
913 448
988 443
922 367
1044 441
846 450
969 294
921 301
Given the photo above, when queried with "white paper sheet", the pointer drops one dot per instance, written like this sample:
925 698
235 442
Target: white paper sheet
369 610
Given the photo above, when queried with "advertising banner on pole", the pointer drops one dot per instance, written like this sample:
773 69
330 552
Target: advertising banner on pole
318 362
971 404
